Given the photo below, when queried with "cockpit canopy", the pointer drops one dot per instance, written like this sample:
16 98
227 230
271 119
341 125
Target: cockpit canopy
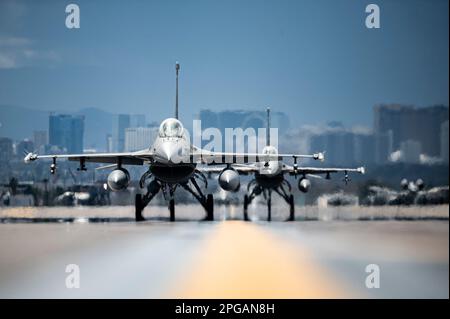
269 150
171 128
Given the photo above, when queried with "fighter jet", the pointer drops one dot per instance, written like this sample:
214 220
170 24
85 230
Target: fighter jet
270 177
172 163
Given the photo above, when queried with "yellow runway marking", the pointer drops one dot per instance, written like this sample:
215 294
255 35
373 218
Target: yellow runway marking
243 260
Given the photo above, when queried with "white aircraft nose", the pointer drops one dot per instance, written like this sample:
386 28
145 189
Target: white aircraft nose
271 169
171 152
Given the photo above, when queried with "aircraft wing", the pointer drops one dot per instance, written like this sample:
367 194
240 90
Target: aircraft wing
319 170
131 158
240 168
217 158
287 169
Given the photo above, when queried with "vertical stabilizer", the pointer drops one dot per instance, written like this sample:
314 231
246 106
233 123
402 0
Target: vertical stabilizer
268 127
177 69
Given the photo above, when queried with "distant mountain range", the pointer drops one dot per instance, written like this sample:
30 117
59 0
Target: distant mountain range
18 123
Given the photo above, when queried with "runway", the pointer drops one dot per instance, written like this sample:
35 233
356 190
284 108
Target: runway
227 258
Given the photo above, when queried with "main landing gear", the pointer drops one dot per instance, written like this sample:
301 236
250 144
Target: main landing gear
267 193
141 201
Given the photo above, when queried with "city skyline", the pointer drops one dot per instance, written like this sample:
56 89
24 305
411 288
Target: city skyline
394 136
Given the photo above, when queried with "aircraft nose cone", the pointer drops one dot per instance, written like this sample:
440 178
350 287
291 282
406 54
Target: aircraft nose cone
271 169
170 152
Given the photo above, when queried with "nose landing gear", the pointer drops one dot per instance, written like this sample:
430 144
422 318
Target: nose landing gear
267 192
141 201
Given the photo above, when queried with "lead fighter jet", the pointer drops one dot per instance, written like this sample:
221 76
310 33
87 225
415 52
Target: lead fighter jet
269 177
172 163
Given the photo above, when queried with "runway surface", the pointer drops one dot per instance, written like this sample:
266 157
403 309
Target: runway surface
223 259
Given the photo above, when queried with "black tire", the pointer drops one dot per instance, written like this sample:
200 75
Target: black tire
269 209
291 208
172 210
209 207
138 206
246 208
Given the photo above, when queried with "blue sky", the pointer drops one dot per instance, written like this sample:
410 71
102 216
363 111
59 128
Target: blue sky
314 60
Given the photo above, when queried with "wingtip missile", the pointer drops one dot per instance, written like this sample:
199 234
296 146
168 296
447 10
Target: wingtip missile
319 156
30 157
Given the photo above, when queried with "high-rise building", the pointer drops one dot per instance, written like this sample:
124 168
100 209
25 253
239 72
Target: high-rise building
24 147
6 149
66 132
338 144
444 141
410 151
342 146
120 123
232 119
383 147
243 119
364 149
40 139
410 123
109 143
137 120
139 138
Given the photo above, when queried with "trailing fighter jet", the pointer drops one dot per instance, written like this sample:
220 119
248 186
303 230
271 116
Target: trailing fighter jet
172 163
269 177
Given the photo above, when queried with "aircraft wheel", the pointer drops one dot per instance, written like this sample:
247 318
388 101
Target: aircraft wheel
139 207
246 208
209 207
172 210
269 209
291 208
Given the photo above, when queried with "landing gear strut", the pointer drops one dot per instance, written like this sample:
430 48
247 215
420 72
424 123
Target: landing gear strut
209 208
248 198
267 192
291 208
206 201
138 208
141 201
289 199
269 206
172 210
246 202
